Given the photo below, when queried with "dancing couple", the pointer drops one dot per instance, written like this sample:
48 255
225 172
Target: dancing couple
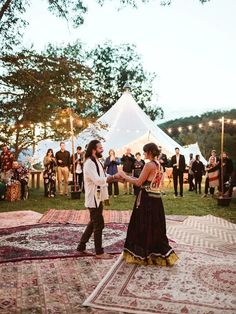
146 242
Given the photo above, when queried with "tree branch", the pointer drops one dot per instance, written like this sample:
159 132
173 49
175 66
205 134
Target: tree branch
4 8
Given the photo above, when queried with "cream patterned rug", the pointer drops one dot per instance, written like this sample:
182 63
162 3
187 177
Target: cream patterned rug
202 282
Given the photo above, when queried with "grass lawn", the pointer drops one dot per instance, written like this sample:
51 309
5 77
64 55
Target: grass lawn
191 204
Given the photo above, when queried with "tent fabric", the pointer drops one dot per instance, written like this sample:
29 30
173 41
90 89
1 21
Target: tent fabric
127 125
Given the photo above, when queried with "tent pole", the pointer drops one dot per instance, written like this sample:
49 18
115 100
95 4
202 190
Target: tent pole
221 150
73 149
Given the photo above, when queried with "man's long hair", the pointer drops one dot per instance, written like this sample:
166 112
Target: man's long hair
91 146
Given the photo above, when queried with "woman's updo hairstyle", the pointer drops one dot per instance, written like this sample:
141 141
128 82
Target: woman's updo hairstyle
152 149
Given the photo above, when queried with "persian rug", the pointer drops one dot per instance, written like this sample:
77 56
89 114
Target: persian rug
202 282
82 216
19 218
53 241
50 286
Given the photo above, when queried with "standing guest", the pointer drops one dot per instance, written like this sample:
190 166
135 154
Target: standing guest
49 174
198 171
79 160
138 167
214 155
128 165
212 176
227 172
162 159
63 165
146 241
190 173
6 160
110 166
178 164
20 173
95 180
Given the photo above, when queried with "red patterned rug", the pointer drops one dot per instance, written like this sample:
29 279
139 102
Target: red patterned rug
82 216
53 241
50 286
19 218
203 282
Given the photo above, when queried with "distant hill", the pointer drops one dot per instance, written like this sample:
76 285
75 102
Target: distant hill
208 137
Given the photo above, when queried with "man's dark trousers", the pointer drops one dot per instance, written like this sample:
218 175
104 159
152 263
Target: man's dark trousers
178 174
95 225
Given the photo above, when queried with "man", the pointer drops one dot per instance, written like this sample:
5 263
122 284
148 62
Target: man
128 160
190 173
63 165
162 159
198 170
21 174
79 160
178 164
227 172
6 160
95 181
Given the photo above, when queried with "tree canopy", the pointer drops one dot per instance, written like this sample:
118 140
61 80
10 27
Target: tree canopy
12 22
35 88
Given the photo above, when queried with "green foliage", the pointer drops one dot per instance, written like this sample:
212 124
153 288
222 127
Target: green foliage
35 88
12 22
112 67
208 137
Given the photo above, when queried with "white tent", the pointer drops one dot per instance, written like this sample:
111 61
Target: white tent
126 126
129 126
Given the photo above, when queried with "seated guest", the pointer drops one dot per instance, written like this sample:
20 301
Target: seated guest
110 166
6 160
49 174
20 173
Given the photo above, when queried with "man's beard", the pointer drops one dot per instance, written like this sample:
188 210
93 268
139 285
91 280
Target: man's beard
98 155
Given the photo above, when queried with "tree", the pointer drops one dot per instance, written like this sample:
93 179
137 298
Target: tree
12 22
36 88
112 67
207 137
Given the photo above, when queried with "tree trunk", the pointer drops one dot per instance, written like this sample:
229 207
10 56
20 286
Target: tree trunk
4 8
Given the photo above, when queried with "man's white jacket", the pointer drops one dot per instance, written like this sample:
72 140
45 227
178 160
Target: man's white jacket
91 183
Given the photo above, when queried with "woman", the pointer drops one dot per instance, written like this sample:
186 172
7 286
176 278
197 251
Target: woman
110 166
146 242
49 174
212 176
138 167
198 171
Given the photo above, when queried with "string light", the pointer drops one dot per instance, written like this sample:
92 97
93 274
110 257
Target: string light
180 129
31 125
21 125
228 120
210 123
200 125
190 127
169 130
234 122
64 120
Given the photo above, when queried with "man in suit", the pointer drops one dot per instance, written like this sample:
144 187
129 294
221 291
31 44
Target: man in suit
178 164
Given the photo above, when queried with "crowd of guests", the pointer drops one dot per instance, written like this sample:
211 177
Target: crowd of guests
58 166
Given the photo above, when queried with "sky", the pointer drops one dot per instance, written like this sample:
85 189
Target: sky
191 47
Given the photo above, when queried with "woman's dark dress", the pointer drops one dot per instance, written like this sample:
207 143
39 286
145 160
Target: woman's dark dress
146 242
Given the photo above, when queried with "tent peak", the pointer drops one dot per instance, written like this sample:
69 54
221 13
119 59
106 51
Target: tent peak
126 87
